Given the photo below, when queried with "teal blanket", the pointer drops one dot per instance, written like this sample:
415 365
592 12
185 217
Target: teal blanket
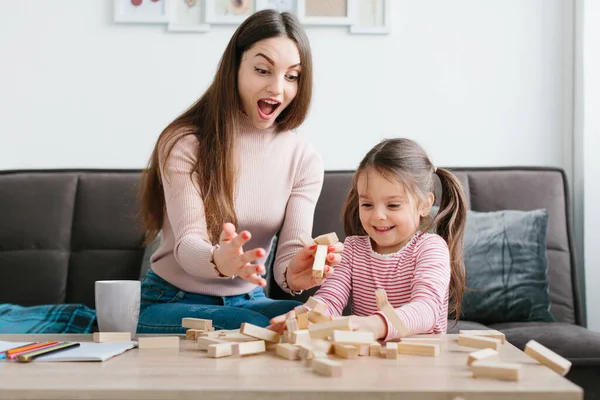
58 318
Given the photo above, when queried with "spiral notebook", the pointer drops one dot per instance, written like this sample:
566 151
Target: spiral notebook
85 352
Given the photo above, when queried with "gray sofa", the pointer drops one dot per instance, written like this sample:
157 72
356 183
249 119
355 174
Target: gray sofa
62 230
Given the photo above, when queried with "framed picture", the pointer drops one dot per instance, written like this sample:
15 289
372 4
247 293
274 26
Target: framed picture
141 11
372 17
228 11
326 12
187 16
290 6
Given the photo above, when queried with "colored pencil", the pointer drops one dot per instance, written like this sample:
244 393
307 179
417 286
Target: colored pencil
5 352
37 347
53 349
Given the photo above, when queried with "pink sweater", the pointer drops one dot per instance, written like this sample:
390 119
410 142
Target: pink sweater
416 279
280 177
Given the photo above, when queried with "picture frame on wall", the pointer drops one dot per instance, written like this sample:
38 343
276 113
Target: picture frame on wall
372 17
290 6
141 11
187 16
326 12
228 11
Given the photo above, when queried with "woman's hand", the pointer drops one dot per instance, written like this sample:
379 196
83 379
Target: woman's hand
299 273
230 259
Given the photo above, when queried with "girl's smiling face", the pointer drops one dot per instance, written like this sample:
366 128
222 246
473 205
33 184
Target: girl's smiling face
388 213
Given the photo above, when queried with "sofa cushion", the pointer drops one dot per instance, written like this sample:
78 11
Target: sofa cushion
506 267
580 345
36 216
455 327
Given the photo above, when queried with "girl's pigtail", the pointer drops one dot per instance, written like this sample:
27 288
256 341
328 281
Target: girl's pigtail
450 225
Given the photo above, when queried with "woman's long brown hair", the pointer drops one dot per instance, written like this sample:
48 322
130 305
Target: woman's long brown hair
407 162
211 121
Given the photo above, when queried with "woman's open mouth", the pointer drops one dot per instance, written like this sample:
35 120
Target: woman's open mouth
267 107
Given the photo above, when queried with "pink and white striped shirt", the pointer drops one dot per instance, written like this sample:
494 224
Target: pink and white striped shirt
416 279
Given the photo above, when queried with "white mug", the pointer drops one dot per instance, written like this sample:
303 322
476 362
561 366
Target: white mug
118 305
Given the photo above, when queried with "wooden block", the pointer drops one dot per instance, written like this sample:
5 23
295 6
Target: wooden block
485 332
391 350
317 318
327 367
547 357
236 337
300 337
479 342
197 323
204 342
325 329
353 337
319 262
327 239
102 337
496 370
345 350
375 349
220 350
305 351
424 340
162 342
418 349
191 334
317 305
302 317
307 240
286 337
485 354
292 324
363 350
321 346
384 306
287 351
260 333
248 348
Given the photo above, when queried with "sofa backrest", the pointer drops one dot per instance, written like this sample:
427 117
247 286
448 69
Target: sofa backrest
61 230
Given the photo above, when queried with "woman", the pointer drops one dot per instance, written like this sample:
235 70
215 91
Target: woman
225 177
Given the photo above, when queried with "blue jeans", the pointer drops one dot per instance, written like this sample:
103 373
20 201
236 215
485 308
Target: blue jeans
164 305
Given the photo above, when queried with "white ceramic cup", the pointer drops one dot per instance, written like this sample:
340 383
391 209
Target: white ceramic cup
118 305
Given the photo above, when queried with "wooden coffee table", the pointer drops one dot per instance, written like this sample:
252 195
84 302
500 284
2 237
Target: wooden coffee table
187 373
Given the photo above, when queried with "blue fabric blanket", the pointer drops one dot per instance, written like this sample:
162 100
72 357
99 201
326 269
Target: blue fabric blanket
56 318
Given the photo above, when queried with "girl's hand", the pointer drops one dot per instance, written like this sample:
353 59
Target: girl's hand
299 272
231 260
278 323
373 323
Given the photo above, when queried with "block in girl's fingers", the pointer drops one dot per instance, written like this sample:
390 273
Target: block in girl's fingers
319 262
327 239
306 240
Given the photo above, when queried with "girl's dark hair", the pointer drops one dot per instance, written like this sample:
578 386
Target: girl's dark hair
407 162
211 121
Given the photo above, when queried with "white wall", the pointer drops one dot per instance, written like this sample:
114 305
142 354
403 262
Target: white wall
477 83
588 135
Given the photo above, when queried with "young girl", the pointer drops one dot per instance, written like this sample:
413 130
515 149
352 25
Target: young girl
389 246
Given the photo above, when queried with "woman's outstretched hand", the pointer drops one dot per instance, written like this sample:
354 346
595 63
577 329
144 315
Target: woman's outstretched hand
299 273
231 259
